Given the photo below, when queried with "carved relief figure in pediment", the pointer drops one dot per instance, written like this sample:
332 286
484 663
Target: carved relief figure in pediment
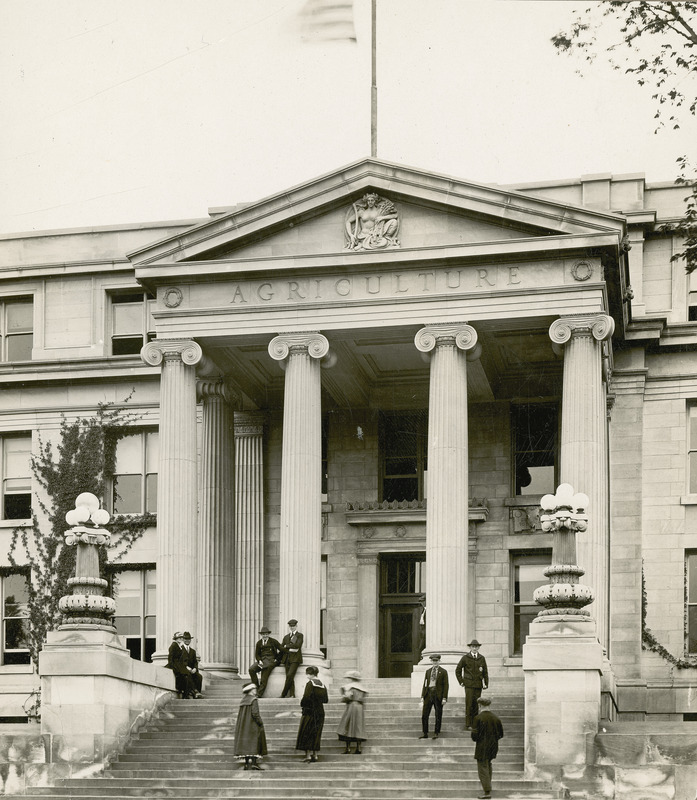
372 223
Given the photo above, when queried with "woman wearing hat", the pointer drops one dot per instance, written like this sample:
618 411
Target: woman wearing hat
352 724
250 737
312 720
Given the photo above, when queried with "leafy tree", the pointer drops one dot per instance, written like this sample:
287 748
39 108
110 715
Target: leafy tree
656 42
82 459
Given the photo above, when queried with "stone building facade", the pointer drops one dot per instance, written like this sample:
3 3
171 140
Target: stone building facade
352 396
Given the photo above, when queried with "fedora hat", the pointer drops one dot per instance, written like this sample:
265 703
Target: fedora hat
186 635
264 631
474 643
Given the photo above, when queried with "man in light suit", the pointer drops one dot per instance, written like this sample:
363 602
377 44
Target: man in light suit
434 694
292 656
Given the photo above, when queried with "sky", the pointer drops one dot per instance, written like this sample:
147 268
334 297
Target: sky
122 111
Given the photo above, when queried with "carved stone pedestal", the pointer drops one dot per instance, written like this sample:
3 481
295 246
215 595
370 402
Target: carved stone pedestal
94 696
562 662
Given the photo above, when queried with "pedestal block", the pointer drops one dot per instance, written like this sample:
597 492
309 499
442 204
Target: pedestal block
562 663
94 696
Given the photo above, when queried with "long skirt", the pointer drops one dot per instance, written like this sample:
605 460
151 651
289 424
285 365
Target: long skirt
310 732
352 725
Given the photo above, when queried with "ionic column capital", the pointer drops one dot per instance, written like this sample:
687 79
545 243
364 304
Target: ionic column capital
249 424
599 326
461 335
185 350
315 344
217 388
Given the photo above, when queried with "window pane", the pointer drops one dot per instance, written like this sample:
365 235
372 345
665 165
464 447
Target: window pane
128 593
17 458
127 498
127 626
151 494
17 633
693 473
400 489
20 316
693 429
151 321
128 318
535 434
16 596
129 454
692 577
524 615
401 628
128 346
149 649
152 451
541 481
134 646
150 595
16 506
400 466
692 629
150 628
19 347
527 578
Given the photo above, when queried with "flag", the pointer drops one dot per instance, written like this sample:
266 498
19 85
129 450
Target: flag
327 20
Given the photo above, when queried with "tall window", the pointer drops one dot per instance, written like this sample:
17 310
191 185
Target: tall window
17 319
323 607
132 323
135 620
692 449
535 448
403 454
15 619
16 477
135 477
691 590
527 571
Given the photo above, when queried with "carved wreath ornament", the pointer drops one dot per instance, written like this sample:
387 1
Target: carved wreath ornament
372 223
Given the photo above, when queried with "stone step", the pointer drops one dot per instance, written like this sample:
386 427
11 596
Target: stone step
294 762
327 771
257 792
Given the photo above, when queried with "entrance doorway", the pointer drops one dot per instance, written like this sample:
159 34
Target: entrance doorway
402 584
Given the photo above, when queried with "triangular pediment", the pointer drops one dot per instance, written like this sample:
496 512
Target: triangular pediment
430 211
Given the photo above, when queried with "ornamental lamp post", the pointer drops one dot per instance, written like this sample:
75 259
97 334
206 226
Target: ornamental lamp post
564 515
87 605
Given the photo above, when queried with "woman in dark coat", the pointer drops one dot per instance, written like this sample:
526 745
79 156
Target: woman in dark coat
312 720
352 724
250 737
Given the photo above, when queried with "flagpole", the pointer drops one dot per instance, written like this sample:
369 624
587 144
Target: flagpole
373 85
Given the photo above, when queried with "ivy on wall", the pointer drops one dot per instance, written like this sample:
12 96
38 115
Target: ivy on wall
649 640
83 458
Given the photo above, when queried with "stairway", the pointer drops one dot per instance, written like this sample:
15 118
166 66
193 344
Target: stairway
187 752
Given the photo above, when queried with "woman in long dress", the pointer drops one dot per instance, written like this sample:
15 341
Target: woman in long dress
250 736
312 719
352 724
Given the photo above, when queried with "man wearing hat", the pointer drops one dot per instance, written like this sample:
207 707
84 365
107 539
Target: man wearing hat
267 654
191 660
486 732
434 694
292 656
183 682
472 673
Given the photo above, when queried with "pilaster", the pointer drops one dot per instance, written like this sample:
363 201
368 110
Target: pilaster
584 451
368 613
301 484
177 488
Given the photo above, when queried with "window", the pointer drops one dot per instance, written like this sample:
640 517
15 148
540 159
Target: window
692 449
691 592
17 318
325 457
132 324
692 307
404 574
16 477
527 573
323 607
135 476
403 451
15 619
535 448
134 593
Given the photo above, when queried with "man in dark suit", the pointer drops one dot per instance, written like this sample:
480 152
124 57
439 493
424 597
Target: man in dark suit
191 663
267 654
472 673
434 694
292 656
486 732
175 661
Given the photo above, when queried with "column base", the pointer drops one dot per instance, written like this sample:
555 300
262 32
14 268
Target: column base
218 669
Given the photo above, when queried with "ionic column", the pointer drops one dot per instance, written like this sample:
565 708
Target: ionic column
249 539
584 444
447 515
177 527
301 484
215 632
